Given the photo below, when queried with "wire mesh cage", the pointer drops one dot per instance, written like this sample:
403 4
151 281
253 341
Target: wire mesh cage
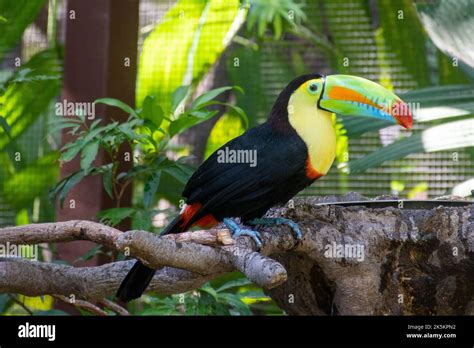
263 67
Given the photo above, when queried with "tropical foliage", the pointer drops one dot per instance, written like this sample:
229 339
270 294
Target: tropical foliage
148 133
377 39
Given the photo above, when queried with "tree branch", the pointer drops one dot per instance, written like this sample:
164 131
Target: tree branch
60 232
33 278
351 260
90 307
113 307
184 261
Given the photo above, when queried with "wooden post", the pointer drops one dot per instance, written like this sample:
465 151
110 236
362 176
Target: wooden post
100 61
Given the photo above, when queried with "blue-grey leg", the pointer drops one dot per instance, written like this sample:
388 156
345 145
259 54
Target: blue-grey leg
239 231
279 221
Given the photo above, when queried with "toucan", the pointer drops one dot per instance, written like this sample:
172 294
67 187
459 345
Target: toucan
294 147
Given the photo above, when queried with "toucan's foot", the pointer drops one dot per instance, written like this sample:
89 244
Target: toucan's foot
239 231
279 221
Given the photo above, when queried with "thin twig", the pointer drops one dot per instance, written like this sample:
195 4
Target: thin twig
113 307
90 307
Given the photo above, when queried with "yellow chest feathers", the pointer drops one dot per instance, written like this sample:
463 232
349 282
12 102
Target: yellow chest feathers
315 127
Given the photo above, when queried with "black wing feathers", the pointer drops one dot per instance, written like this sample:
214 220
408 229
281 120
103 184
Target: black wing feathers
238 190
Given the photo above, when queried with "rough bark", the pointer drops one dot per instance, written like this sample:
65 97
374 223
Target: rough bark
412 261
415 262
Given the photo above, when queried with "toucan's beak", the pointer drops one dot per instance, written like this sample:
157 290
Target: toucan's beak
351 95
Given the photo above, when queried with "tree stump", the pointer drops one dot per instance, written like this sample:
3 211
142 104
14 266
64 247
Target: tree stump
413 261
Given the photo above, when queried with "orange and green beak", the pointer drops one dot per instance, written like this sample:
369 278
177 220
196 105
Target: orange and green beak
356 96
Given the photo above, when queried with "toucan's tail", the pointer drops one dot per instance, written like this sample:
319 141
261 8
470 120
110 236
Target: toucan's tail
135 283
175 226
138 278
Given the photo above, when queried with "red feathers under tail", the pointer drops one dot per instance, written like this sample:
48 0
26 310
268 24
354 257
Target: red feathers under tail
183 221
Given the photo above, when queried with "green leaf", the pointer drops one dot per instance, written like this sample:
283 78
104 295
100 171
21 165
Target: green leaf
28 75
152 111
178 95
401 36
72 151
150 188
107 182
128 131
251 19
179 172
39 176
440 95
57 126
63 187
207 288
262 26
95 124
15 17
200 101
249 76
254 294
450 25
193 45
234 284
114 216
5 126
235 302
101 169
357 125
170 188
118 104
69 184
447 136
5 302
93 133
198 113
89 153
235 110
142 220
277 27
23 102
186 121
264 12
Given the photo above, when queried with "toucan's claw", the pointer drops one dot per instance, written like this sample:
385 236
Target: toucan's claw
239 231
279 221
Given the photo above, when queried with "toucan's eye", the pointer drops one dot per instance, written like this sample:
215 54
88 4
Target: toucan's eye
312 88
